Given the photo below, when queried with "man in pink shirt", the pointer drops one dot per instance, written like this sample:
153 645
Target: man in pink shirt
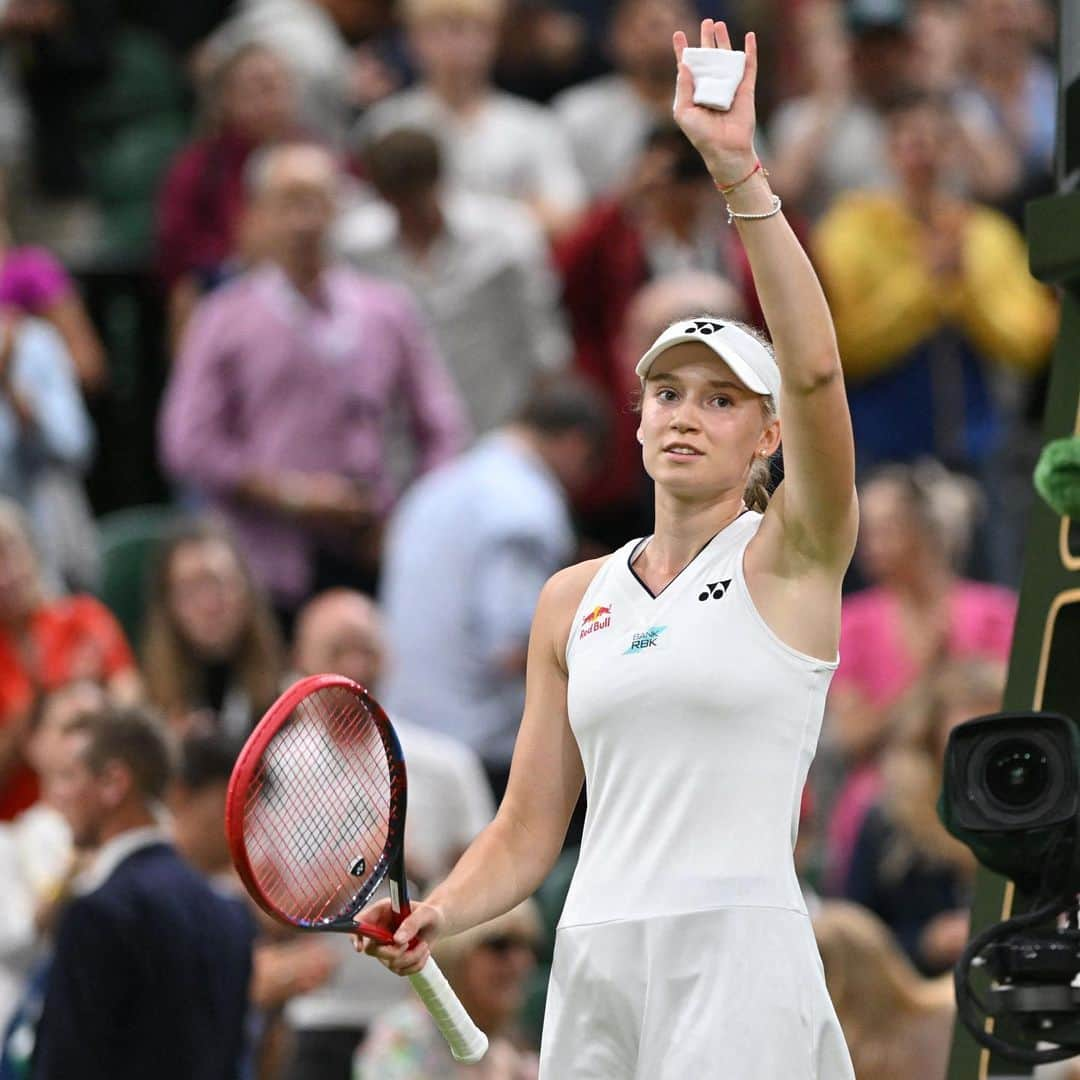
283 396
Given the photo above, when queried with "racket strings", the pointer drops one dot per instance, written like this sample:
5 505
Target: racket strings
319 808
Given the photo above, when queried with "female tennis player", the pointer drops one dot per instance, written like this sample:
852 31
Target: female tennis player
683 679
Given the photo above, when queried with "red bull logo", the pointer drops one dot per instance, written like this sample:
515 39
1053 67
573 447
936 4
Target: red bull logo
597 619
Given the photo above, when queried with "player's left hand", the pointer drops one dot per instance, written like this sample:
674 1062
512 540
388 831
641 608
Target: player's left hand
725 140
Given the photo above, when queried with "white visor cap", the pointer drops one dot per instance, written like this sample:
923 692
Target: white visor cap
750 362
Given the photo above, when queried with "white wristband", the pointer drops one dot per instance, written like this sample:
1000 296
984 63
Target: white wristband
717 74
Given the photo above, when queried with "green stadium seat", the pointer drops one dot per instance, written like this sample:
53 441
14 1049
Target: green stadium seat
128 541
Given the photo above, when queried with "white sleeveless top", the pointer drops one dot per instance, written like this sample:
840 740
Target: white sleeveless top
696 726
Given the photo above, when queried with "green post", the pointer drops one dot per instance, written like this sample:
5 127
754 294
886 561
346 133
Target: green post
1044 669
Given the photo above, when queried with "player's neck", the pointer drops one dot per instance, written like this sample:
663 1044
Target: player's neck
682 529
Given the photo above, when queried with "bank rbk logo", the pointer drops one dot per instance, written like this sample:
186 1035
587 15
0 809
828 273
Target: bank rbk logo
715 590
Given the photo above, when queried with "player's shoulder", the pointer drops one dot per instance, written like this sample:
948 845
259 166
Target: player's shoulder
564 590
559 601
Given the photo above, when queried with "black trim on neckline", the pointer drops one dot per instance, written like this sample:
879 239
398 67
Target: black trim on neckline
637 549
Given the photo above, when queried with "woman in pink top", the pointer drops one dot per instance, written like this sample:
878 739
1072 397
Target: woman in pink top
917 614
33 282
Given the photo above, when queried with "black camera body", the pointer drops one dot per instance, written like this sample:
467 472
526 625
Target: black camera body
1011 793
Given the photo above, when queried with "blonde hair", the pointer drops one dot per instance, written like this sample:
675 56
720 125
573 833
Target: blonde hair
413 11
759 484
912 764
875 989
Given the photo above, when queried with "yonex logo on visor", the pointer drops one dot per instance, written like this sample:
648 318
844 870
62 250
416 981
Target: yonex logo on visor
750 361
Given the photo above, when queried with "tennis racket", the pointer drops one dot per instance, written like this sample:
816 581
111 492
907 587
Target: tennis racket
315 816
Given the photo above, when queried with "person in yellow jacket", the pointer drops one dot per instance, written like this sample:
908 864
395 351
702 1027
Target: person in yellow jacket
928 292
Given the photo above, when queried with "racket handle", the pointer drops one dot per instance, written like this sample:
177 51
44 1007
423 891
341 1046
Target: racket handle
467 1042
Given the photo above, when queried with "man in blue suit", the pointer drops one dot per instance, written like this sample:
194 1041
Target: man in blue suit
151 970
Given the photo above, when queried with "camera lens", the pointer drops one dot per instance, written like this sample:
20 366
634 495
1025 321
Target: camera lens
1017 773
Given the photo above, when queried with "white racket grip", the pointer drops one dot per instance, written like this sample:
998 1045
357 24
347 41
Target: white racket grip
467 1042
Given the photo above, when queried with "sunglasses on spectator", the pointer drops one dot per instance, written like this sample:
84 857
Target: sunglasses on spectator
501 944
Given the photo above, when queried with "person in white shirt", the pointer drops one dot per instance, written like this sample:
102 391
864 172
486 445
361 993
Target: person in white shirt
479 267
467 552
340 632
495 143
608 118
313 36
37 856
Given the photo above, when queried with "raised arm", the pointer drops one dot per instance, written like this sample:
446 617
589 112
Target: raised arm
817 507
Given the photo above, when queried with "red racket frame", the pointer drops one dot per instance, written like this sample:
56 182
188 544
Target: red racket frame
392 861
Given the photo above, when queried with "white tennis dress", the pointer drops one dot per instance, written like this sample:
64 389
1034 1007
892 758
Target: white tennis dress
684 951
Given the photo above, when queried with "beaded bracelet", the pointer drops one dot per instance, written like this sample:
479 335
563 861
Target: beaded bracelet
732 216
725 188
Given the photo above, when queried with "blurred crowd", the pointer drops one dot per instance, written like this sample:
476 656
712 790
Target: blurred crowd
318 321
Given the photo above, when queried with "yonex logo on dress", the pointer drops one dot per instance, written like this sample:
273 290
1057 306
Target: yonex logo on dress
715 590
645 640
597 619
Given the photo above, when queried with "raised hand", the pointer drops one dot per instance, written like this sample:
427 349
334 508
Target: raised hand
725 140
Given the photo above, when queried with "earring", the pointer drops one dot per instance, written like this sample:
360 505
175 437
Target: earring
641 438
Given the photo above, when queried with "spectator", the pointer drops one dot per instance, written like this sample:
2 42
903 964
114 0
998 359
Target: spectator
151 971
63 58
478 266
341 632
212 643
609 118
45 643
468 551
449 803
45 445
549 45
36 855
494 143
315 37
250 102
34 282
833 139
906 868
1018 86
280 405
928 293
284 964
663 223
618 503
916 614
109 105
897 1024
488 967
